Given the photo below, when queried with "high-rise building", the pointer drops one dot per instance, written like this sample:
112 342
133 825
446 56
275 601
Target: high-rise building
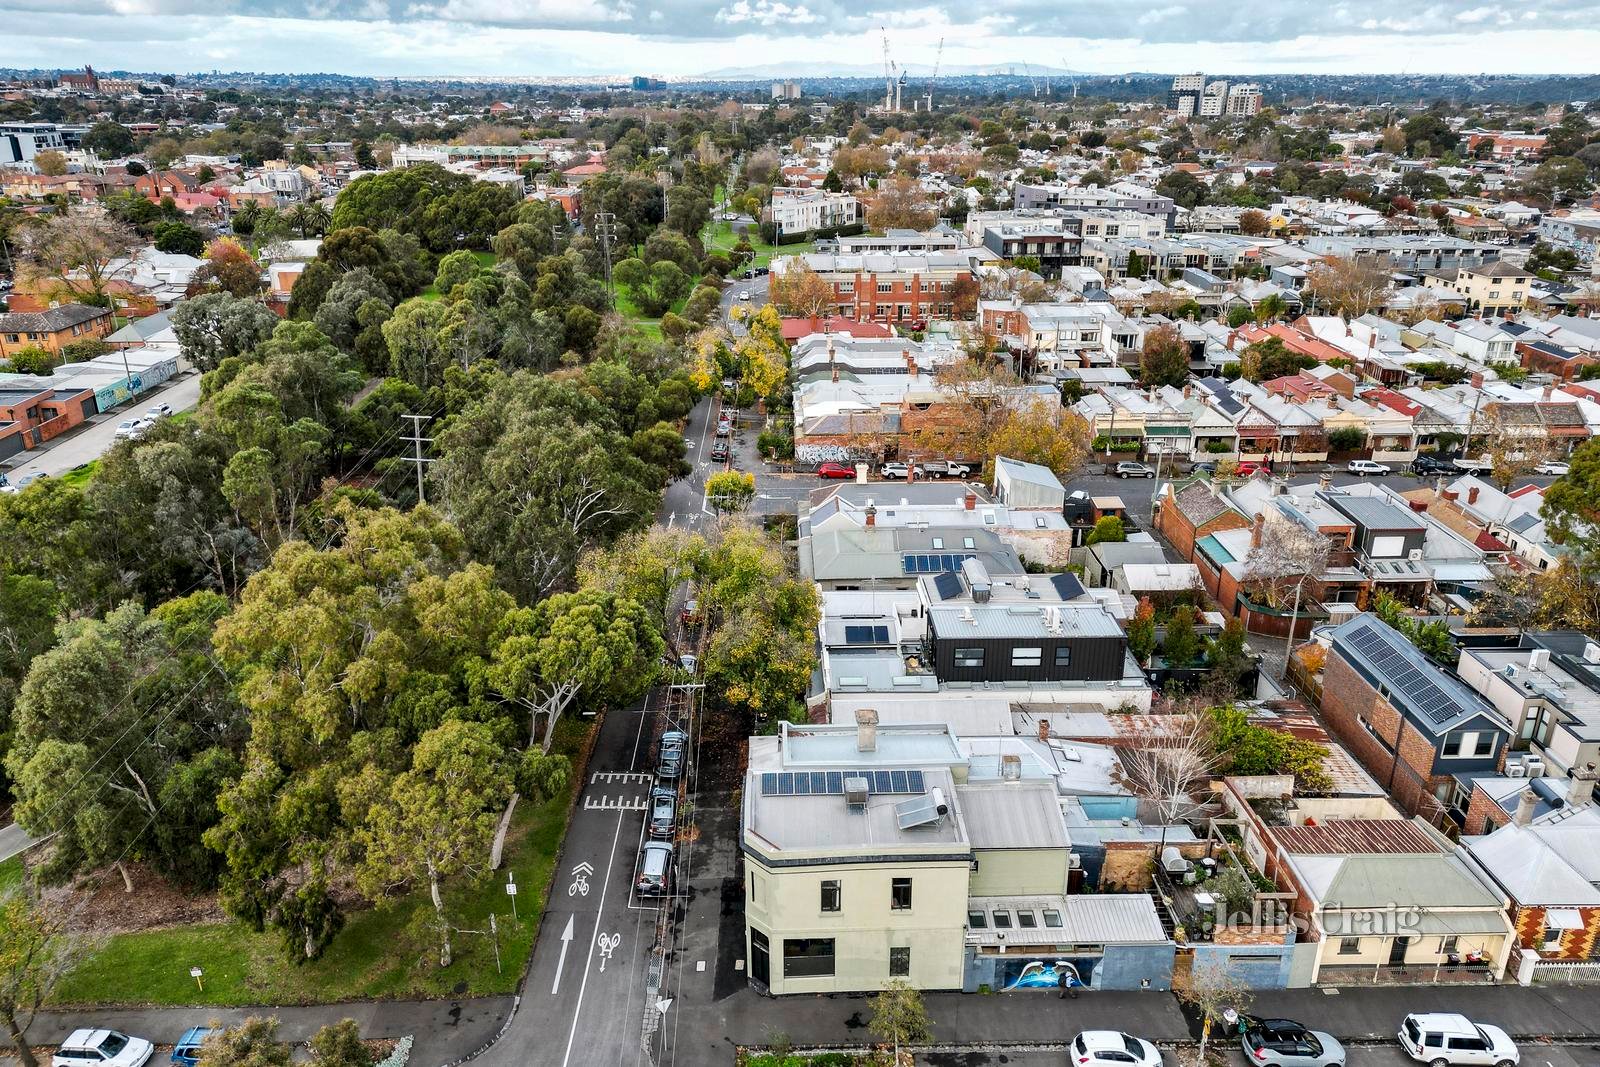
1244 99
1185 95
1214 100
786 90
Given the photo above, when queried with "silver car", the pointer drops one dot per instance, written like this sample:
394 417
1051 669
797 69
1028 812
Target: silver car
1285 1043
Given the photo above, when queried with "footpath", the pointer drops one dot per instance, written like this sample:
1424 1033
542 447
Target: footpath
445 1031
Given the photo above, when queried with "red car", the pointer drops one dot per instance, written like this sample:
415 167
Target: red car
1249 467
835 470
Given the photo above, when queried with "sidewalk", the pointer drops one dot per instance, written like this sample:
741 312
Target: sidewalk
445 1031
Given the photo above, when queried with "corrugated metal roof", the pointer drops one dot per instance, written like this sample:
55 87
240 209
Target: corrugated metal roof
1020 620
1350 836
1371 512
1012 815
1090 919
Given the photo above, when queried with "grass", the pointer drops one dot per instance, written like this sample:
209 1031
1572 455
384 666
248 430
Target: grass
10 873
485 259
649 325
374 956
80 476
721 238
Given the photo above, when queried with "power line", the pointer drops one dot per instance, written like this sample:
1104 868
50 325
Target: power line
605 229
418 440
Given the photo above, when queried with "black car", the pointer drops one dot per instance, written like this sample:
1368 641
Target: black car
1433 465
1285 1043
663 812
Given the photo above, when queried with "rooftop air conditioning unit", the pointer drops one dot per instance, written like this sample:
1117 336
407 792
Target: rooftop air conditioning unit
1074 861
1534 766
1415 555
855 791
1516 770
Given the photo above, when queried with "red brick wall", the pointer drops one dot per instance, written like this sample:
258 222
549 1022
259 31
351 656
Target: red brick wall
1346 700
1480 807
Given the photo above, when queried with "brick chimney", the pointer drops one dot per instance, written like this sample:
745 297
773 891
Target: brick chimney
970 501
1044 729
1472 495
1580 790
1256 529
866 730
1527 800
1325 481
1477 381
1548 391
872 515
1449 494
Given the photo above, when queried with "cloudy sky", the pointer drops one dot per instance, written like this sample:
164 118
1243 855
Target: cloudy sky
684 37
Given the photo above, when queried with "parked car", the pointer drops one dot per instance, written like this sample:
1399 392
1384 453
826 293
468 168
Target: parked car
101 1048
1285 1043
900 470
663 812
129 429
655 869
1135 470
724 428
729 385
1208 467
744 294
719 452
669 763
22 482
1252 466
1433 465
943 468
1481 465
1367 466
1443 1039
689 662
1556 467
835 470
690 615
1113 1048
160 411
186 1052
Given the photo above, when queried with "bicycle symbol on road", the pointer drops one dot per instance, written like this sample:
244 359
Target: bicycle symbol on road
608 944
580 880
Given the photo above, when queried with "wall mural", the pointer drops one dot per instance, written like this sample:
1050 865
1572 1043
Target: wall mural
1025 974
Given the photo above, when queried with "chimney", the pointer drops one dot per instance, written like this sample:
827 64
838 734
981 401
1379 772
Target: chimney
1580 790
970 501
866 730
1044 729
1527 800
872 515
1010 767
835 368
1472 495
1548 390
1255 530
1325 481
1477 381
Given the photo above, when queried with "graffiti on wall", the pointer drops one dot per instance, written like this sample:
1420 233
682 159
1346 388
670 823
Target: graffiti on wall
828 454
1023 974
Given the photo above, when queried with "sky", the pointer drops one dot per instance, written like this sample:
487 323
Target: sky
667 38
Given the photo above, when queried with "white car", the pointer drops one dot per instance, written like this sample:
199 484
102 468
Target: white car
744 294
1441 1039
1367 466
128 429
1113 1048
1556 467
101 1048
160 411
899 470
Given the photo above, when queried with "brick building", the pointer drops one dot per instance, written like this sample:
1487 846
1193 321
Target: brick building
1418 729
51 329
890 287
1193 512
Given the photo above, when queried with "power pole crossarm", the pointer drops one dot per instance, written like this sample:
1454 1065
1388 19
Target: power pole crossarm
417 440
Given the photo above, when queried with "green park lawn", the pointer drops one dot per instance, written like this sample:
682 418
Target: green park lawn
719 237
374 956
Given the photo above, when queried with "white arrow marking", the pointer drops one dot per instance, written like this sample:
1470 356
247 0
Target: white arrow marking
567 939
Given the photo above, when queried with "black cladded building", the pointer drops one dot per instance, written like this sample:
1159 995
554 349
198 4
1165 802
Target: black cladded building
1026 643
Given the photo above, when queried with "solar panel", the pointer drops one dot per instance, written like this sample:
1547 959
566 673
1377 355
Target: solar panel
819 782
914 781
918 811
835 782
947 585
882 782
897 781
769 784
822 783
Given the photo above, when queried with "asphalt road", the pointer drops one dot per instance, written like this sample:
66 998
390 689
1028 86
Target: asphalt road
583 998
13 839
95 437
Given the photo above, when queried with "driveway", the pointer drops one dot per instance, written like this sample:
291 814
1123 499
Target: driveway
95 437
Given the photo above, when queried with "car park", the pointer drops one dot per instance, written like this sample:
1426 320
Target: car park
663 812
1556 467
1367 466
101 1048
835 470
186 1053
1445 1039
655 869
1285 1043
1113 1048
1134 470
900 470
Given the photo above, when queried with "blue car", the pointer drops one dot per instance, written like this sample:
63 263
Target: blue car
187 1051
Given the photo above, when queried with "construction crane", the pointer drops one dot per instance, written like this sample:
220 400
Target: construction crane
1070 75
1032 81
888 72
938 59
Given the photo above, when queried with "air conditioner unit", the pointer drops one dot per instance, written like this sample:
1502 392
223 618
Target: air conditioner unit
1516 770
1415 555
1534 766
1074 861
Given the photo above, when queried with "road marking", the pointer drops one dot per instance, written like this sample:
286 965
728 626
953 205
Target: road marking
608 944
600 910
619 776
605 803
566 939
580 880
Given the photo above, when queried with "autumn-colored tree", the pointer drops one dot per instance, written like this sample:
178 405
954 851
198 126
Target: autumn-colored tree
50 164
1142 630
1348 287
1042 433
900 203
964 296
799 290
1254 223
760 357
228 269
731 490
1514 448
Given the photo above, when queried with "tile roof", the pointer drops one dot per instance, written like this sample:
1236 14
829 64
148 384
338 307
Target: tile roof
1199 504
52 321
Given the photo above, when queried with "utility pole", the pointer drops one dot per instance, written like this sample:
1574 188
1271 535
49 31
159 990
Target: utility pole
418 440
605 228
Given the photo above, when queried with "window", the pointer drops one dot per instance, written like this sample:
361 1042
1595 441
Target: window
969 657
978 919
755 887
1002 919
830 895
1052 918
1469 1044
900 894
885 287
1063 655
1552 939
808 957
1447 945
1349 946
1457 743
1485 744
1026 919
967 542
938 542
899 962
1027 656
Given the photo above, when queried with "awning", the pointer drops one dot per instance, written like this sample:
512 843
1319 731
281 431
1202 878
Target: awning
1166 431
1563 919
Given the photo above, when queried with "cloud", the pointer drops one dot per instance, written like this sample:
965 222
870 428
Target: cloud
765 13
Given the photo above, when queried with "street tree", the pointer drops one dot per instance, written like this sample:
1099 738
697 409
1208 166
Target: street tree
1348 287
253 1043
36 952
899 1016
1216 995
436 821
799 290
731 490
78 257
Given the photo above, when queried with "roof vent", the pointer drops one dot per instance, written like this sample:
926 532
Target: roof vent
1011 767
856 789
